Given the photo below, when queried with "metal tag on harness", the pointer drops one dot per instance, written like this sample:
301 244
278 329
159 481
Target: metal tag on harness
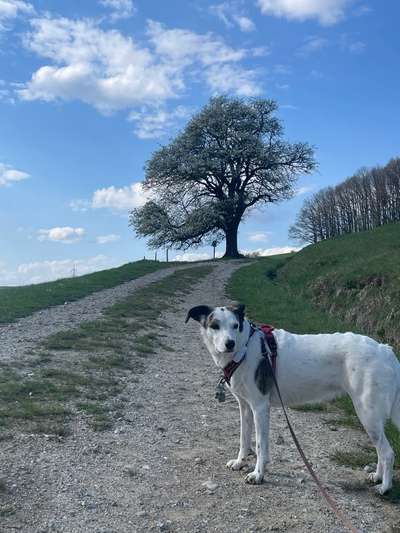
220 392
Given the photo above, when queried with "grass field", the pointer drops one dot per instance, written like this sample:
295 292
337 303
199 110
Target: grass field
78 372
355 277
17 302
283 291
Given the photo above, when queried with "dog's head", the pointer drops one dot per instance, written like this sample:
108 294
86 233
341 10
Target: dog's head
222 326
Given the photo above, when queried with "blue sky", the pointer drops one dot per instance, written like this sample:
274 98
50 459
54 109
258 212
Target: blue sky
88 90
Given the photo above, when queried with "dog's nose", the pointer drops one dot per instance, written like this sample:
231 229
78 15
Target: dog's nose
230 345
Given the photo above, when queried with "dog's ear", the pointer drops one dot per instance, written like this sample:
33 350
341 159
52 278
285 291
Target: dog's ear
240 311
198 313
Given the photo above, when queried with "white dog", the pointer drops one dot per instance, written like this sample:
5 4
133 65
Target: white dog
310 368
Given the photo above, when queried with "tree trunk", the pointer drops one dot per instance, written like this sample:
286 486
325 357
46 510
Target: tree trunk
231 236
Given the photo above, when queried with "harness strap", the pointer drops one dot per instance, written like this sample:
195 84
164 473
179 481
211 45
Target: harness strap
233 365
272 345
229 370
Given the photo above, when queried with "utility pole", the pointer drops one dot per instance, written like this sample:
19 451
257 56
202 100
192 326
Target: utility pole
155 255
167 250
74 270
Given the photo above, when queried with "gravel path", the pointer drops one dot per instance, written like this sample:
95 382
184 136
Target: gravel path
163 467
20 336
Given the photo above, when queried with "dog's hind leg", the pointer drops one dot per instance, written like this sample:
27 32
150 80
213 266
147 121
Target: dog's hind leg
373 416
246 430
261 413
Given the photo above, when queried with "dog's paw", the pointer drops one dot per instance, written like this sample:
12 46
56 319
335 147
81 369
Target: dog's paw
235 464
374 477
381 489
254 478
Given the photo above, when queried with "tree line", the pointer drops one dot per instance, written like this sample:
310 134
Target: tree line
369 199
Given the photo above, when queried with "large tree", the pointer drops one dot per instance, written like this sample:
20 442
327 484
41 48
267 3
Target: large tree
230 157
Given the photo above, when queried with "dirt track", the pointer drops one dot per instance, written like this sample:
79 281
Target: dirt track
149 474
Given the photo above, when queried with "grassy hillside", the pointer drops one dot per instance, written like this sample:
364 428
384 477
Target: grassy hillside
355 277
17 302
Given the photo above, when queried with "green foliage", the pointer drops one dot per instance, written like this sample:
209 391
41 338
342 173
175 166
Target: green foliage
17 302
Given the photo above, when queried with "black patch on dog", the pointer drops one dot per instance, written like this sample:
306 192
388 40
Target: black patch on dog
239 311
199 313
263 373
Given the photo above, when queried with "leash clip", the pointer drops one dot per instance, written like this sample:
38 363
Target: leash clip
220 391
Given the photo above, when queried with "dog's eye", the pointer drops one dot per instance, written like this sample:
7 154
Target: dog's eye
235 326
214 326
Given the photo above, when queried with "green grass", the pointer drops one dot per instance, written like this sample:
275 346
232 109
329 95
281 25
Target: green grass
270 301
17 302
288 291
79 371
355 277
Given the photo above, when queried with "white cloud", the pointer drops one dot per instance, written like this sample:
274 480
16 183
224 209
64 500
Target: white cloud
119 198
9 175
11 9
229 78
64 234
102 68
258 252
81 206
6 93
232 15
313 44
121 9
245 23
284 70
40 271
105 239
195 256
258 237
264 252
348 44
304 190
357 47
111 71
327 12
183 47
156 124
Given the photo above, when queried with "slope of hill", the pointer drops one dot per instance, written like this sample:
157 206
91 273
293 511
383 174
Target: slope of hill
354 279
17 302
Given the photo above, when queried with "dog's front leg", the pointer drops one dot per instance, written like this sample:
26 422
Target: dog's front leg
261 422
246 429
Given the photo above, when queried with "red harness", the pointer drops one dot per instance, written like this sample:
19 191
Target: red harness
272 345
